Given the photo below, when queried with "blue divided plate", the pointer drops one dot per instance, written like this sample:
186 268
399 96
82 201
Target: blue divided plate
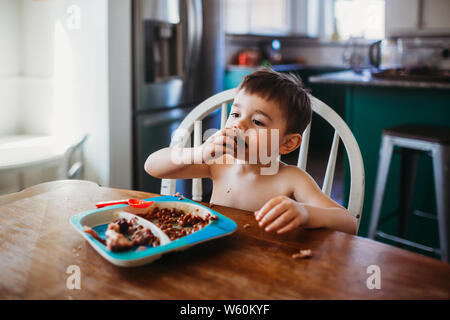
100 218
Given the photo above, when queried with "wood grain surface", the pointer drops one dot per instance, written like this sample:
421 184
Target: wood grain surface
38 244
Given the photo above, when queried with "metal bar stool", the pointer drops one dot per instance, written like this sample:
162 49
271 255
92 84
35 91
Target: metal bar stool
414 139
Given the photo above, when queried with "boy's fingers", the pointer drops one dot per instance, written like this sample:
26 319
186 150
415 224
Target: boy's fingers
226 148
224 140
230 131
216 152
216 135
266 207
290 226
272 214
212 152
281 221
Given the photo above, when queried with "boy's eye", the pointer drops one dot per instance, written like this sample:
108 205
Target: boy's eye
258 123
234 114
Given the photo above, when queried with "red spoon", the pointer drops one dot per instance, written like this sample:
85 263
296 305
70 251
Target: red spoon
135 203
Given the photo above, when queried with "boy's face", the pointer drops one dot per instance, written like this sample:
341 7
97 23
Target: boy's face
261 124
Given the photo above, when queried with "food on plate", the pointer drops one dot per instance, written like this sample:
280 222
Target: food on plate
123 235
141 248
94 235
175 222
115 240
126 234
303 254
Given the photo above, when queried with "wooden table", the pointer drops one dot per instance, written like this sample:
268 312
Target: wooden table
38 244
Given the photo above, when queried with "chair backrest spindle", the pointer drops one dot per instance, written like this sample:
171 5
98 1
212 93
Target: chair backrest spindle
331 166
197 192
224 115
303 155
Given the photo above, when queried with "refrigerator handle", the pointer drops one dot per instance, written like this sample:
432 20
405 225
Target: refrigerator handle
194 35
199 34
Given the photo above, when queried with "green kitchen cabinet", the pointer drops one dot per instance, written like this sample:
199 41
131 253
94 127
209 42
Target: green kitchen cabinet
234 76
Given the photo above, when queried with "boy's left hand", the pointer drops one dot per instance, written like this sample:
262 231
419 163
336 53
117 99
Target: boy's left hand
281 214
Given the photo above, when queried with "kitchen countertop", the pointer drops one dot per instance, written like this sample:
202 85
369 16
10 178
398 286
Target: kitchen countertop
39 244
365 79
282 67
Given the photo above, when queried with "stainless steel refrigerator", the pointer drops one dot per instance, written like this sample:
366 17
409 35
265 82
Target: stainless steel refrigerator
178 58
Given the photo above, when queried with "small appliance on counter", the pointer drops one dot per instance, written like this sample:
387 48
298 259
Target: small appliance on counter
271 52
355 55
413 59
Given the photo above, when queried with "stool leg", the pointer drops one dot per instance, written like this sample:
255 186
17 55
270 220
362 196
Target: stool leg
441 157
380 185
410 159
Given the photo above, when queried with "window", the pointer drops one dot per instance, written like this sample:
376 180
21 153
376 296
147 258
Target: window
315 18
359 18
256 16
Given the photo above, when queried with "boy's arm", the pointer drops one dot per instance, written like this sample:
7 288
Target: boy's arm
188 163
175 163
312 209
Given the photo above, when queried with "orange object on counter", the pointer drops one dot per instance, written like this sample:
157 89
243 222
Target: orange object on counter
250 58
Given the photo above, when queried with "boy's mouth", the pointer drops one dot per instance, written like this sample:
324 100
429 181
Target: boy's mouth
237 137
241 141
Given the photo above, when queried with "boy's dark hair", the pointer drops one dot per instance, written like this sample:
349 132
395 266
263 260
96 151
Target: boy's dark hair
284 89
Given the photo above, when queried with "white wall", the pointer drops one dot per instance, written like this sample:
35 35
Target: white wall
120 93
88 90
60 73
10 69
10 63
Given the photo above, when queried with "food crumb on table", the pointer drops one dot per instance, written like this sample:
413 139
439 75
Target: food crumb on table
246 226
303 254
180 196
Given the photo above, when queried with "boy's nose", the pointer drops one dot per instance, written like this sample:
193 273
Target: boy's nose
241 125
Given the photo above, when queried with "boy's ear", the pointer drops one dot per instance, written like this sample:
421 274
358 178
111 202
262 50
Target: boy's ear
291 142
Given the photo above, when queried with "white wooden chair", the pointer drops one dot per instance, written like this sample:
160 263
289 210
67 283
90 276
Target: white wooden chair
193 122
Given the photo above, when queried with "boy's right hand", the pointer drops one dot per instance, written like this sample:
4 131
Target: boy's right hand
218 145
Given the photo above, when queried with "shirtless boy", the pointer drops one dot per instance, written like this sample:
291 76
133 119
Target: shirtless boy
283 197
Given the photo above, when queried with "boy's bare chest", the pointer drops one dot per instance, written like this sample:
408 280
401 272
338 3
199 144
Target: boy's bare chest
246 191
